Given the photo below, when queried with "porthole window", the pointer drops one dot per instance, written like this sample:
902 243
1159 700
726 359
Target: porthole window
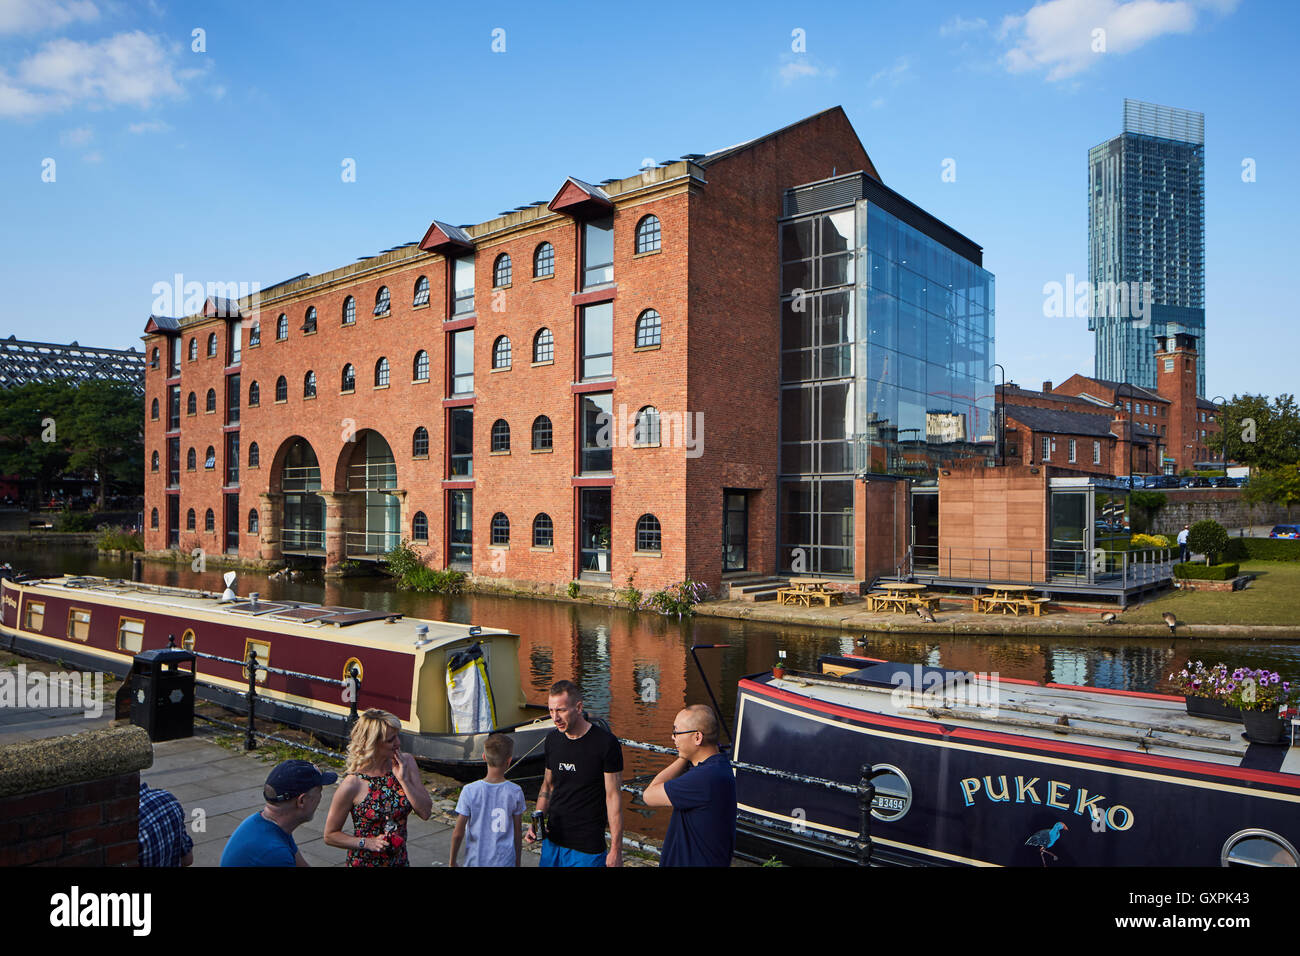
349 311
349 665
647 234
543 532
501 271
541 433
544 261
647 329
500 530
421 292
543 346
187 639
1256 847
501 352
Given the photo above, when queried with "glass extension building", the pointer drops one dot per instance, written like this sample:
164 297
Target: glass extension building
886 353
1146 225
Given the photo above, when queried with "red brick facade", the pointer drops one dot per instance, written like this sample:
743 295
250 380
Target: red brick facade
713 281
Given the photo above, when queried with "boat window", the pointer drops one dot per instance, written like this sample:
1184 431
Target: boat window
130 634
187 639
35 615
263 649
1258 848
78 623
347 672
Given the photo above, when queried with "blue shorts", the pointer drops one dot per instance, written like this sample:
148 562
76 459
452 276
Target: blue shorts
553 855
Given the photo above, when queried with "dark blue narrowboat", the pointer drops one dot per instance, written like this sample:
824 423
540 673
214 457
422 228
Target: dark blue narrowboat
970 770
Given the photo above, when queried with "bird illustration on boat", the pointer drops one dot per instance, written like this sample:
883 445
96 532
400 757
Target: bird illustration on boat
1044 839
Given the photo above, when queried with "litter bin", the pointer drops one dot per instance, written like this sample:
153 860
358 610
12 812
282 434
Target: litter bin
162 695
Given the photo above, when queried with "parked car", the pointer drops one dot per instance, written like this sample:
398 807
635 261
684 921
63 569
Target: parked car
1225 482
1285 531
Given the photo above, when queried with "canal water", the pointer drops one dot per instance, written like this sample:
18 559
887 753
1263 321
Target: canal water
635 668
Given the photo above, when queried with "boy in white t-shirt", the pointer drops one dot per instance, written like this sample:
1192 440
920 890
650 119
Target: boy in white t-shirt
491 811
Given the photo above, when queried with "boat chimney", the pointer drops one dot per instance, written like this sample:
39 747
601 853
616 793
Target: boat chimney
422 635
252 600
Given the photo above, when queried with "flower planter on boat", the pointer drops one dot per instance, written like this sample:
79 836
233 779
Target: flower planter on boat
1263 726
1212 709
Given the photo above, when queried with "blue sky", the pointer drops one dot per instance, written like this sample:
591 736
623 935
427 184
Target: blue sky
224 164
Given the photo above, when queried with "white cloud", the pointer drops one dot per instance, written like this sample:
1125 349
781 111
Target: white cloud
32 16
127 69
893 74
1061 36
77 137
150 126
796 67
93 157
959 24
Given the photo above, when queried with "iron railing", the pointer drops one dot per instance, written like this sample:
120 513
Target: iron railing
364 543
1075 566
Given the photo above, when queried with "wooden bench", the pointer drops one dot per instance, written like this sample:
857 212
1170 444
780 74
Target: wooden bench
792 596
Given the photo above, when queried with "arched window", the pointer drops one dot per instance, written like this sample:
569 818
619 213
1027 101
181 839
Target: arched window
544 261
500 530
212 344
541 433
420 527
254 455
543 346
421 292
647 329
309 385
647 234
381 372
192 404
190 460
648 537
501 352
500 435
282 327
153 519
210 459
153 410
309 320
153 462
647 426
252 521
349 311
420 443
254 394
153 359
209 521
281 389
189 520
210 403
255 335
501 271
194 349
543 531
348 380
381 301
420 367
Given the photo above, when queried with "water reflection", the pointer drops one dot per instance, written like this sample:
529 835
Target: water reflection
636 669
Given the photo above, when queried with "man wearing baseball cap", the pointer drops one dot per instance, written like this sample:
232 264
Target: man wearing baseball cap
292 793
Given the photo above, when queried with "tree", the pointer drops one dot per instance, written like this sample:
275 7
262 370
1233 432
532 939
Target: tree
1257 433
1147 504
105 430
1276 485
33 431
1209 538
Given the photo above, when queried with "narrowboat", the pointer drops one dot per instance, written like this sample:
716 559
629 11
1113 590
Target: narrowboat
974 771
403 662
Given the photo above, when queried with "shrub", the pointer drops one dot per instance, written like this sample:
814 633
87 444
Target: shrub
116 538
630 595
1262 549
74 521
1208 538
1142 541
1199 572
573 589
679 598
412 574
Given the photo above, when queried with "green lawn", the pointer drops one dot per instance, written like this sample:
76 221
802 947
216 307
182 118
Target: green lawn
1272 598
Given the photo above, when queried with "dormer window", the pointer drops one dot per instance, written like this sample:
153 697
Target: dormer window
598 252
463 286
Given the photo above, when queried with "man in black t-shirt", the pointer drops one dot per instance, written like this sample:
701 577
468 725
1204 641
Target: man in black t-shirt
580 793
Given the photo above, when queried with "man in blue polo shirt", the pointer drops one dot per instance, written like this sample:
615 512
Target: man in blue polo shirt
701 789
292 793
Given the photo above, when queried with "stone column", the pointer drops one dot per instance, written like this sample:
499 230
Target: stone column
271 508
335 528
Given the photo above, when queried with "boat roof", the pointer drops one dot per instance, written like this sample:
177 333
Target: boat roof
291 617
1129 721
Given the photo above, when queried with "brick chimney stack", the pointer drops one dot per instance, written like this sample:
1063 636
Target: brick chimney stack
1047 386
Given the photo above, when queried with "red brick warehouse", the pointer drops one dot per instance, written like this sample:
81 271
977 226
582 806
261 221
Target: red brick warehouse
459 391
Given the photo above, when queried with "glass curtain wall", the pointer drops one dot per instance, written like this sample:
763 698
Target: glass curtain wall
304 509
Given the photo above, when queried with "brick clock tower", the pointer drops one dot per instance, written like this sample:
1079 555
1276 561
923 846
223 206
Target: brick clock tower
1176 380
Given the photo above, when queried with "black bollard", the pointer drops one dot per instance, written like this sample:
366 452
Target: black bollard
250 743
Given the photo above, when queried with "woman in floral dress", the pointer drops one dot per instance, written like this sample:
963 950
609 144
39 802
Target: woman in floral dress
381 787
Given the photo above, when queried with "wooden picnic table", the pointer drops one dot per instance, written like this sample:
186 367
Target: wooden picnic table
898 596
1009 599
804 591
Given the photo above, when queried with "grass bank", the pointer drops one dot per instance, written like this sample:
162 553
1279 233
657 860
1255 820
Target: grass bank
1272 598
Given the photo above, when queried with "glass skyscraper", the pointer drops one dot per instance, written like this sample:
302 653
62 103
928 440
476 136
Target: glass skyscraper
1146 238
886 355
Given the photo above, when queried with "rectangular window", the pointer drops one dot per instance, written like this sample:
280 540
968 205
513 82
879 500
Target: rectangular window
35 618
263 651
1096 453
461 351
232 459
130 634
173 463
460 516
78 624
598 252
1072 449
173 408
174 360
597 432
236 342
232 399
1047 449
462 442
597 341
463 286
